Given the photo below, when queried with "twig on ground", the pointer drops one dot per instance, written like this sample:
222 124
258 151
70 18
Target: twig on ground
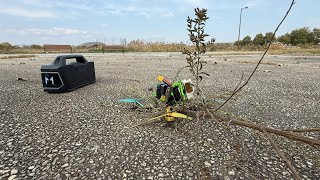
287 134
281 155
148 121
188 133
197 145
304 130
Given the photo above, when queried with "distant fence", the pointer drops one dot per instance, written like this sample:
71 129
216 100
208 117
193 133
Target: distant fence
57 48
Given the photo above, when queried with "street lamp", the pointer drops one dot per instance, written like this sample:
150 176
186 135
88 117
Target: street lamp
240 21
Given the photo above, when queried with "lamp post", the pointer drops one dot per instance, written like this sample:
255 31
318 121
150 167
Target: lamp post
240 21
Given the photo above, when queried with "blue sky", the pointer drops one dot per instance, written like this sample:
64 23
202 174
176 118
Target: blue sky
77 21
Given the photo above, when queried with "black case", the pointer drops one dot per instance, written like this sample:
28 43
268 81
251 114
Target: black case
61 77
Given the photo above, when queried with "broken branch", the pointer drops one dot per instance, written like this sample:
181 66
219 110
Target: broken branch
281 155
287 134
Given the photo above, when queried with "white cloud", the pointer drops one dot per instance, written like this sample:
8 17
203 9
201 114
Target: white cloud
47 32
27 13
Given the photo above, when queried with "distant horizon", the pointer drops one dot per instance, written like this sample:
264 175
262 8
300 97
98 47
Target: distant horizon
27 22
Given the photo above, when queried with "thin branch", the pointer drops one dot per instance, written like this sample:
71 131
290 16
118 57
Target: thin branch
281 155
148 121
305 130
235 89
290 135
255 69
197 146
209 143
178 72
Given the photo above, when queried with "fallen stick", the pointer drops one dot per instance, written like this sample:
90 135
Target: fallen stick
282 157
287 134
305 130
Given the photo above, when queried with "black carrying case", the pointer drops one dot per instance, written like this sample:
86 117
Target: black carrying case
61 77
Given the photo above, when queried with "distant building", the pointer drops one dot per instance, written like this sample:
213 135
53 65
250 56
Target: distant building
57 48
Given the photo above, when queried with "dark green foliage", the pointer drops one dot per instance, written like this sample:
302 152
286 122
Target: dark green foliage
237 43
285 39
268 37
301 36
246 40
316 35
6 46
197 36
259 40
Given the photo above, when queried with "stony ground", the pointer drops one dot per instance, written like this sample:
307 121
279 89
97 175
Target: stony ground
87 133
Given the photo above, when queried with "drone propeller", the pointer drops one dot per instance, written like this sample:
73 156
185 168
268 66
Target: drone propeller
170 116
179 115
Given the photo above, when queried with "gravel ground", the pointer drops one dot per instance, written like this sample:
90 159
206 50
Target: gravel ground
86 134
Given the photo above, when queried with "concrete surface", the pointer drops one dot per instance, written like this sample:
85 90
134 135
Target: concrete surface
86 134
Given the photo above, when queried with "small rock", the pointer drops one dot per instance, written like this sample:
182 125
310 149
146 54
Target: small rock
65 165
13 171
124 175
78 144
161 175
150 178
12 177
231 173
143 164
21 79
128 171
31 168
190 174
207 164
4 171
309 164
55 161
305 177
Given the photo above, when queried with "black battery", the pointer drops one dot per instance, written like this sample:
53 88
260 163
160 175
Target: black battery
61 76
161 90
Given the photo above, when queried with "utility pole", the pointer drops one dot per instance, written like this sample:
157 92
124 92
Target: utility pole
240 22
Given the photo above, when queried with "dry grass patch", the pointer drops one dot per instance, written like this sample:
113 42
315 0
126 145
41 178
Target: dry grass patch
18 56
